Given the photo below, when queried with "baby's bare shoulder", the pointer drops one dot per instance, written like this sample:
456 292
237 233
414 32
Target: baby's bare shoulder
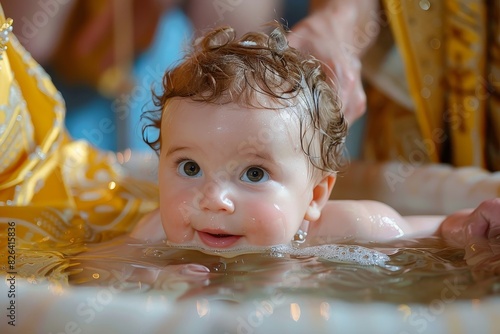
360 220
149 228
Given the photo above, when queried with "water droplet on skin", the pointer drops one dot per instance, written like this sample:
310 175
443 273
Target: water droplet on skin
424 4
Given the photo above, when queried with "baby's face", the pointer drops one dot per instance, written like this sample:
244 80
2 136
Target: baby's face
230 176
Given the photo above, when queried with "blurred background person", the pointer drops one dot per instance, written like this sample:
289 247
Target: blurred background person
105 55
431 141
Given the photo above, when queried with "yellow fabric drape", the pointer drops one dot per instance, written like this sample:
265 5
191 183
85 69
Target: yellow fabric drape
58 193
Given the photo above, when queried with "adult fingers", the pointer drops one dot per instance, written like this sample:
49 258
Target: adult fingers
482 234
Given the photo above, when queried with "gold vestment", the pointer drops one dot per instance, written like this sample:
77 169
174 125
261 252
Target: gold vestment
56 194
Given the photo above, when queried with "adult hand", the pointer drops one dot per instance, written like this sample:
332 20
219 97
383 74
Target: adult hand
102 26
103 38
333 33
479 232
482 236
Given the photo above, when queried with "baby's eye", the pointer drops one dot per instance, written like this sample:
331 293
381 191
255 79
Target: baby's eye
189 168
254 175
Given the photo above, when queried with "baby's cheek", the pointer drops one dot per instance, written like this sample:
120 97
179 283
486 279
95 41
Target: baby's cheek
267 225
175 215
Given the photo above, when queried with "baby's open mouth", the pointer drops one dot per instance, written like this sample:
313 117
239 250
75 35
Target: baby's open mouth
218 240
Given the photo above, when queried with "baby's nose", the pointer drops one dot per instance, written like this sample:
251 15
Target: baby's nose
217 198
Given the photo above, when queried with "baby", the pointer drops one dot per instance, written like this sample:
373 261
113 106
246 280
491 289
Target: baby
251 141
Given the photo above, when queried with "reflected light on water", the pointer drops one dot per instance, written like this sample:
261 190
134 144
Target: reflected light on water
32 279
406 310
295 311
202 307
476 303
155 303
268 307
324 310
56 289
124 156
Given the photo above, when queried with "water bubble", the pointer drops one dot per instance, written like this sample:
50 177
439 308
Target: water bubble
336 253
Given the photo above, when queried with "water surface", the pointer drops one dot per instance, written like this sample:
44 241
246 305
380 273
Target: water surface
418 271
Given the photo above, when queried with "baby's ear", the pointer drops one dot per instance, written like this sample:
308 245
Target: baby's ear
321 194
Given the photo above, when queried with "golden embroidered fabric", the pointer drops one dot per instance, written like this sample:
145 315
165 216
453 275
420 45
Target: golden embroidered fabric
56 194
452 64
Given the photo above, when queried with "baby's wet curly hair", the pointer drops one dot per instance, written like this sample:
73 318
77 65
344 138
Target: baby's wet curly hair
224 69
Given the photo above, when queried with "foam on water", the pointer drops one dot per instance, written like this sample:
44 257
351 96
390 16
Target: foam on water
336 253
331 252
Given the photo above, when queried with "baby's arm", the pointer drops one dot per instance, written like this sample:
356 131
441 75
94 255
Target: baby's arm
477 231
370 221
